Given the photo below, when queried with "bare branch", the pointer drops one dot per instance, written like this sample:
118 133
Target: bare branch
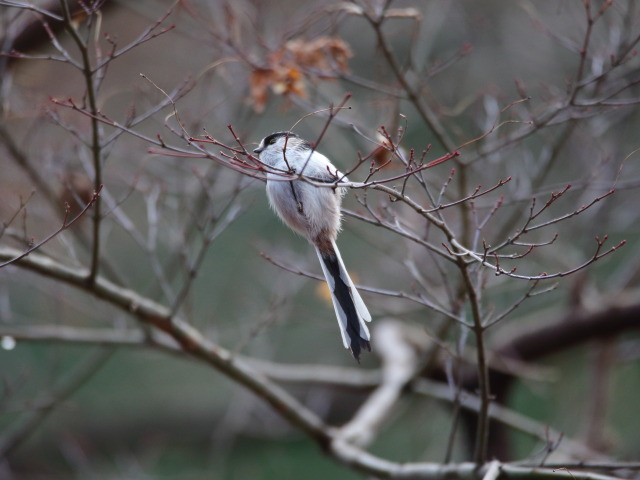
400 363
65 225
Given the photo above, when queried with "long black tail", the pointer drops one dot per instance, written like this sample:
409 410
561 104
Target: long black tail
349 307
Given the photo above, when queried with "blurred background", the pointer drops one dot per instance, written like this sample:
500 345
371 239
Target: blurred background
530 91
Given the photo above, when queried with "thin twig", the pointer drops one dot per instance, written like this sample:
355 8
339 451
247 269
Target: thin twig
95 144
65 225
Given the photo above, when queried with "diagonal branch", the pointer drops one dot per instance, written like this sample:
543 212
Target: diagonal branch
65 225
190 339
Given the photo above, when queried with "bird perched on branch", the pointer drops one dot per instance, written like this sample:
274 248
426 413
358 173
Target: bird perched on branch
304 189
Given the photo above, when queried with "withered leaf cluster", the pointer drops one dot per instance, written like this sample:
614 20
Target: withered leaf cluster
297 61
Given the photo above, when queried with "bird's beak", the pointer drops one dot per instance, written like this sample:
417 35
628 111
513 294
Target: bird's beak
258 151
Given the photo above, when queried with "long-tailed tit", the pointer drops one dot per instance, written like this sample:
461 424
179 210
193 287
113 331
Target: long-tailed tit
313 211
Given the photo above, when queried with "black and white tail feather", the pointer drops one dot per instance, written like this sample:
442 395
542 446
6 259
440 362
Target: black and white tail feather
351 311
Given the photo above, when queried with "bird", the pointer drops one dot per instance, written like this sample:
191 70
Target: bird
303 188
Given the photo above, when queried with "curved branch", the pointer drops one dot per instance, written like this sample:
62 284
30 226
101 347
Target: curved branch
193 343
190 340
